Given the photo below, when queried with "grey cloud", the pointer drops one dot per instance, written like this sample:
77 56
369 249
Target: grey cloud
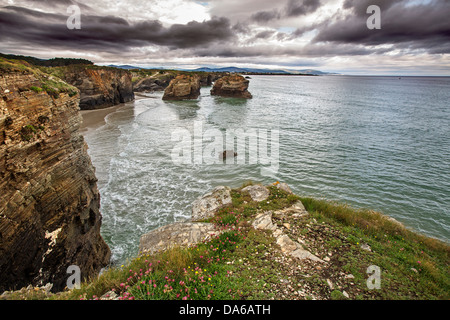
107 32
408 27
265 34
264 16
297 8
293 8
317 50
241 28
58 5
359 7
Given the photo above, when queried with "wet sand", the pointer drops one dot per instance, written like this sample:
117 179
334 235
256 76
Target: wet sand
93 119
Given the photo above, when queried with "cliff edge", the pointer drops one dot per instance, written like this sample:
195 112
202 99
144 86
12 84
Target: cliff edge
49 206
100 87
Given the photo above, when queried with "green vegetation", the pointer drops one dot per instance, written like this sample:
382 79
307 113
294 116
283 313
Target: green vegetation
49 82
244 263
413 266
36 89
27 132
55 62
54 87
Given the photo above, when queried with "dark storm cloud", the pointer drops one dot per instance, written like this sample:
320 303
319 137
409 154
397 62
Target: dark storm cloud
265 16
55 4
107 32
297 8
406 26
359 7
318 50
293 8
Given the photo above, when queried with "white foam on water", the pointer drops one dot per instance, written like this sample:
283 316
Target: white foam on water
339 139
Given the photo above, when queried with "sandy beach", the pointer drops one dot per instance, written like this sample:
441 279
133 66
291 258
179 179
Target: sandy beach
93 119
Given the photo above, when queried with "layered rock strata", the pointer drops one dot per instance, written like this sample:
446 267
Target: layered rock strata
183 87
49 205
159 82
234 86
100 87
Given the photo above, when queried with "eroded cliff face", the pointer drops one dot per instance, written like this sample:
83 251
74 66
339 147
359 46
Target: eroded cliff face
100 87
160 81
183 87
234 86
49 201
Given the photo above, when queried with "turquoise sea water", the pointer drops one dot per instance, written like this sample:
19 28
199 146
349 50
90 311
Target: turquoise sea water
375 142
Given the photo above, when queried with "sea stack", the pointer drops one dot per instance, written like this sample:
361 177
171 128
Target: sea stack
49 204
234 86
183 87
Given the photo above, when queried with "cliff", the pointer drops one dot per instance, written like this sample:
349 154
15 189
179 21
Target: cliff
49 206
100 87
266 243
234 86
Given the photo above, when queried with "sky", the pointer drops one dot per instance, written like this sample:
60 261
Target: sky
326 35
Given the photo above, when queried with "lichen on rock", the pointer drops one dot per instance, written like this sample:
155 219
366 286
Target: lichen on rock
205 206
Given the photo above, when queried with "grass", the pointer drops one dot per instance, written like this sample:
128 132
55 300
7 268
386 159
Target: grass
413 265
50 83
244 263
36 89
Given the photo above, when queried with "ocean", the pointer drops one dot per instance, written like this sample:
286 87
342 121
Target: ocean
381 143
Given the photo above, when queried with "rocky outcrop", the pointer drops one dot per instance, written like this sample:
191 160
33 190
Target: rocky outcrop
183 87
160 81
184 234
181 234
49 204
208 78
234 86
227 154
153 83
100 87
205 206
257 192
263 221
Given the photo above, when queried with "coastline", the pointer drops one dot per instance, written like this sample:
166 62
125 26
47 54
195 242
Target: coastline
296 248
93 119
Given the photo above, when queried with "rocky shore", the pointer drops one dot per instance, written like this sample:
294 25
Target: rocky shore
288 252
205 207
252 242
264 242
